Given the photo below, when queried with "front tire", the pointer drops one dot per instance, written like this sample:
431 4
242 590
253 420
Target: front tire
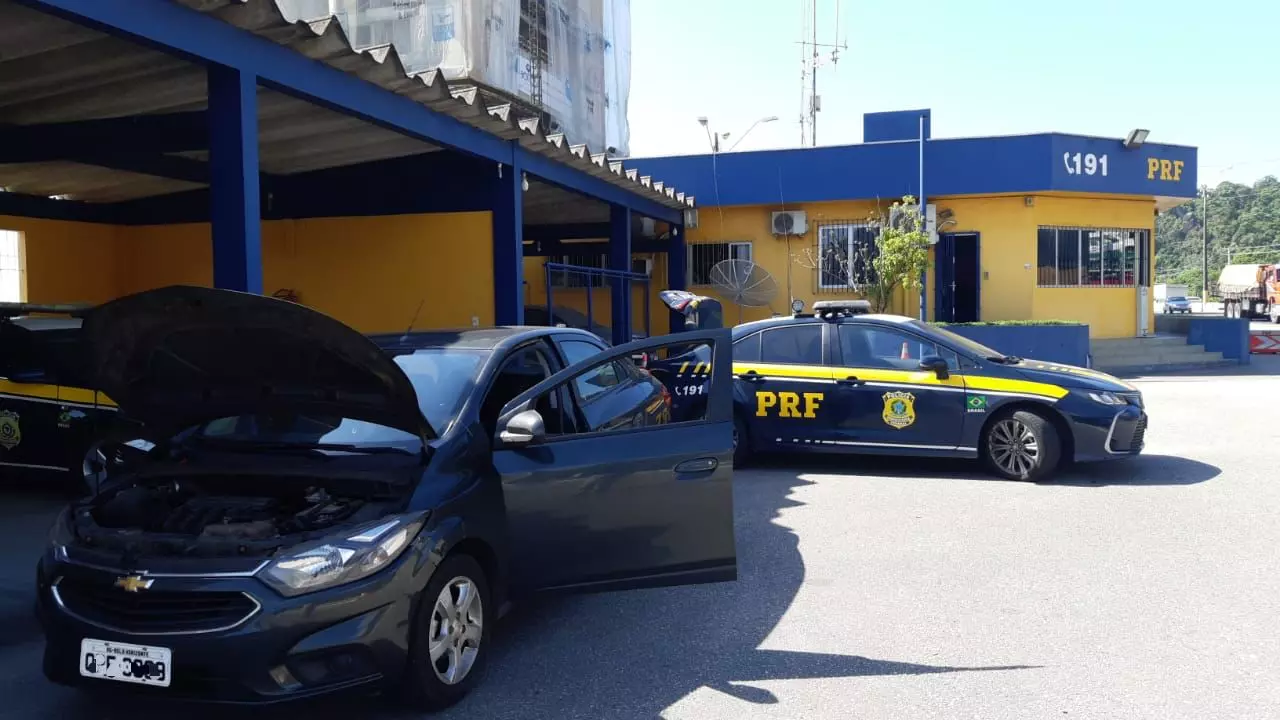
450 635
1022 445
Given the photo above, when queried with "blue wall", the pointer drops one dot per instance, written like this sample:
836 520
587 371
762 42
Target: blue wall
1063 344
896 125
1045 162
1229 336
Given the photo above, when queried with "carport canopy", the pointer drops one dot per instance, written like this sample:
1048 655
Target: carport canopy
138 112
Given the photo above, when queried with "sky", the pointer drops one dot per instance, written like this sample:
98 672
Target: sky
1205 74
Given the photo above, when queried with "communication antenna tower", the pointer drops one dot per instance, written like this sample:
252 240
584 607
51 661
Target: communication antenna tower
814 55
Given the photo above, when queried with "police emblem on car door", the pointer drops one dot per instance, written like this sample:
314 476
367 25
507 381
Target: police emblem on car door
10 430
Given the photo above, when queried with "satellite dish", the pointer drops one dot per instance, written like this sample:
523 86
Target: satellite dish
743 283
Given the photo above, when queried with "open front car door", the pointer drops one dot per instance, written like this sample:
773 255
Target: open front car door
605 489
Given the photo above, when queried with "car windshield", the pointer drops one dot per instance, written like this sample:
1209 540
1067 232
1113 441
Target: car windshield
442 378
1177 298
958 341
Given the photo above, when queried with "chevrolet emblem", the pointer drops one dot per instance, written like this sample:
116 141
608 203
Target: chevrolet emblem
134 583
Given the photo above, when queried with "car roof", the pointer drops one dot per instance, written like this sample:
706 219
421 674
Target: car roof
490 338
785 320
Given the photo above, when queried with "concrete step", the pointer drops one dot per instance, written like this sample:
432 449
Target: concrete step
1136 370
1120 344
1165 354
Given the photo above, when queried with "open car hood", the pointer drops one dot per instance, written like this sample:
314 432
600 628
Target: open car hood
178 356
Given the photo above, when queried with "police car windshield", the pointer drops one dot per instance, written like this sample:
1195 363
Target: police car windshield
963 343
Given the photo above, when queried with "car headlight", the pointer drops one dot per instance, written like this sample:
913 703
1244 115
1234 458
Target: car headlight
1107 398
346 557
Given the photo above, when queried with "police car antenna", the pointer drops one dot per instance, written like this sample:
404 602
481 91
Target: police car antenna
414 321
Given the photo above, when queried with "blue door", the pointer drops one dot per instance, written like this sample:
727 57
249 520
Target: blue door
886 402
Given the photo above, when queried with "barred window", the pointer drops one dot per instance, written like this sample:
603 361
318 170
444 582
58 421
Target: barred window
704 256
845 252
1091 257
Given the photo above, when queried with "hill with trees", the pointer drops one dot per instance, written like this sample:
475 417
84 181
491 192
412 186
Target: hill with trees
1244 223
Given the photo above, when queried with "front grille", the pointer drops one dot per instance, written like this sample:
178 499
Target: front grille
153 611
1139 434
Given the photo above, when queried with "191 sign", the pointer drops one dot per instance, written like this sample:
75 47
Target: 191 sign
1085 163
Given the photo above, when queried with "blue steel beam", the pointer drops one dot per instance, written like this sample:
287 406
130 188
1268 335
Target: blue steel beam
36 206
620 259
205 39
233 193
163 133
677 270
548 248
508 248
575 231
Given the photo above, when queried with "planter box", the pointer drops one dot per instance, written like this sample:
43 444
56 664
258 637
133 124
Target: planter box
1065 344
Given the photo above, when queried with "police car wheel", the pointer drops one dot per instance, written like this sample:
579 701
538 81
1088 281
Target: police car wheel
741 446
1022 445
448 642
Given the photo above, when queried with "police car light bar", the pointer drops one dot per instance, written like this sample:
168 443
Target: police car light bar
846 307
13 310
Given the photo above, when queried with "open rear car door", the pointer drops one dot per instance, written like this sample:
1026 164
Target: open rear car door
605 488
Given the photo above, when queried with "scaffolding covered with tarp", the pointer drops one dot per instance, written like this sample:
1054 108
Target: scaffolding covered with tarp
565 61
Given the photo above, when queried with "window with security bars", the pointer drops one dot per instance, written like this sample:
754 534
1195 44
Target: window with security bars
10 266
1092 257
704 256
844 254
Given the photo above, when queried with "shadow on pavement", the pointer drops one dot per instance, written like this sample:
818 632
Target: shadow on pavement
634 654
1143 470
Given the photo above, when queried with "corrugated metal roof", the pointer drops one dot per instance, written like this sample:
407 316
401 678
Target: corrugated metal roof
52 70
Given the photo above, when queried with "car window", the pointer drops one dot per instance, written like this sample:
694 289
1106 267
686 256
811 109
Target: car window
305 429
576 351
443 379
522 369
793 345
747 349
887 349
615 394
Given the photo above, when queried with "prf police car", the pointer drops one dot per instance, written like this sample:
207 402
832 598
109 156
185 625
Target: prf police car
840 379
48 419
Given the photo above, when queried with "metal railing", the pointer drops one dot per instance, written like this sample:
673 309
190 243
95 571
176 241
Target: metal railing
605 277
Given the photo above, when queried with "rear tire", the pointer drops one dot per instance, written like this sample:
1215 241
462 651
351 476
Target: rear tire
451 630
741 442
1022 445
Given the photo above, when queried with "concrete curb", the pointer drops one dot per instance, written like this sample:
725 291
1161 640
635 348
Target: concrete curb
1132 370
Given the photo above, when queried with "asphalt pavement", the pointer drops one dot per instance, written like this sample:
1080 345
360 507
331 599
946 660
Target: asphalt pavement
1146 588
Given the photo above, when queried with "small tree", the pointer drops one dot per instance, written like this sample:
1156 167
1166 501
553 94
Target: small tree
897 259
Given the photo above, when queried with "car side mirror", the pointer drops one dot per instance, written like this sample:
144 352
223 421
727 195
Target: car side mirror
524 428
936 365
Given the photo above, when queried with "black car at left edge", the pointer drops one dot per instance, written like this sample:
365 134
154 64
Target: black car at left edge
301 509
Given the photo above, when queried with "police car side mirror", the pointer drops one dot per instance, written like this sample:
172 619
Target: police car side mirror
524 428
936 365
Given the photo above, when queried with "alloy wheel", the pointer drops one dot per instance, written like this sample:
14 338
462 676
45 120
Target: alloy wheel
457 623
1014 448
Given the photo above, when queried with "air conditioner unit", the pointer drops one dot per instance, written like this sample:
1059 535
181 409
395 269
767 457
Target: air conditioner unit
790 222
643 266
897 216
690 218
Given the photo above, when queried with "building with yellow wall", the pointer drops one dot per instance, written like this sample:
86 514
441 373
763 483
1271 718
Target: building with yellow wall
1034 227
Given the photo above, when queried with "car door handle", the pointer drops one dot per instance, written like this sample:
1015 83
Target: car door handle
698 466
851 381
752 376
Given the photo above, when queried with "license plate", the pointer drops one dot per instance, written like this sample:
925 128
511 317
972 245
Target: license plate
141 664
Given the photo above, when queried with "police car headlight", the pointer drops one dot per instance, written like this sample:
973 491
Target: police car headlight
342 558
1107 398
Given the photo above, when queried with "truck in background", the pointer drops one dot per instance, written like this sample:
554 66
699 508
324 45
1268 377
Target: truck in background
1163 291
1250 291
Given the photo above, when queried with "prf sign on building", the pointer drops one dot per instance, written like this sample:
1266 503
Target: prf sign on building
1028 227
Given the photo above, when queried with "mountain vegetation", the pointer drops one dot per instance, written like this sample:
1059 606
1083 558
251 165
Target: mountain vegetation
1244 224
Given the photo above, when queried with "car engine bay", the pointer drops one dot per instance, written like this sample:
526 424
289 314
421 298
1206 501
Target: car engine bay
216 516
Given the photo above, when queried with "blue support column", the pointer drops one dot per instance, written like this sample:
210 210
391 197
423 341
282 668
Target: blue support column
677 270
620 259
508 243
233 173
